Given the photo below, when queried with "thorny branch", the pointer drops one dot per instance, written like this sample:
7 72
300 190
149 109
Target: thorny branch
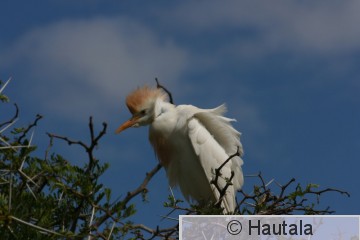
17 178
109 213
94 140
92 161
264 201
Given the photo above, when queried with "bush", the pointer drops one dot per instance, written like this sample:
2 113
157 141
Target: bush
51 198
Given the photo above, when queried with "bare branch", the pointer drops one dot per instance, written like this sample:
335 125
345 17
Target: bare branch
264 201
92 162
143 185
33 124
66 139
12 120
215 180
141 188
227 160
330 190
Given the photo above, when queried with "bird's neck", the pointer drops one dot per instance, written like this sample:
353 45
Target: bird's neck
161 107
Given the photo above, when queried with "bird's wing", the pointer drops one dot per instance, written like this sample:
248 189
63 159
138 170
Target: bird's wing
212 137
226 136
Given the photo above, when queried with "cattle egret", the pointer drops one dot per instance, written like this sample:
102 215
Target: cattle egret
190 144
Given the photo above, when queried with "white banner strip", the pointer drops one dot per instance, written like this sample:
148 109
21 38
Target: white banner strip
283 227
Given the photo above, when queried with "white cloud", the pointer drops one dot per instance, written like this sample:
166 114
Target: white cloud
83 67
320 27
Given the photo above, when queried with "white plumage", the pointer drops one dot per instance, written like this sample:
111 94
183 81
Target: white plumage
190 143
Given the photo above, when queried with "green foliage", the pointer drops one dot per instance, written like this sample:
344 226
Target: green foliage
51 198
50 193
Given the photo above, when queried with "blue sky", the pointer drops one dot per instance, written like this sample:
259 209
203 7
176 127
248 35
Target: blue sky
288 71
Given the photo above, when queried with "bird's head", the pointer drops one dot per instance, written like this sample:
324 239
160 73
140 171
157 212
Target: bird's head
141 104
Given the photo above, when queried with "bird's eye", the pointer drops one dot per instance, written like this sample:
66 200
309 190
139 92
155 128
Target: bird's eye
142 112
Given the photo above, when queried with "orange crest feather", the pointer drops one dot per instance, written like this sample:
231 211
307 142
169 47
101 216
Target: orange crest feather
137 98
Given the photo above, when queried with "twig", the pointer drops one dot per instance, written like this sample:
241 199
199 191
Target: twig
66 139
164 233
283 188
267 202
33 124
227 160
88 148
167 91
223 190
12 120
330 190
215 181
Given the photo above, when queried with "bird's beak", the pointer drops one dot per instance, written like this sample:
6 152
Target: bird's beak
129 123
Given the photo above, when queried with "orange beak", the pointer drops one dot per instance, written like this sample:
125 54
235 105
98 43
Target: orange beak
129 123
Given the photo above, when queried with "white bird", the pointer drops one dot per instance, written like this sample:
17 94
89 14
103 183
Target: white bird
190 144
